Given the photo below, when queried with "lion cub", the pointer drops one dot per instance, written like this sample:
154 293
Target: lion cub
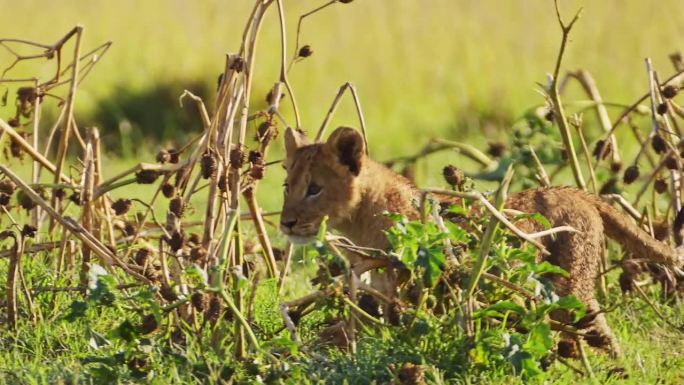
336 179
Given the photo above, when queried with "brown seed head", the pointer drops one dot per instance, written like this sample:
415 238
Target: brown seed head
148 324
662 108
4 199
672 163
615 167
305 51
7 186
215 308
194 239
146 176
660 186
496 149
60 193
237 158
25 201
177 240
177 207
168 293
658 144
75 198
198 254
121 206
199 300
142 256
28 231
453 176
208 163
600 152
238 64
129 229
670 91
168 190
163 156
631 174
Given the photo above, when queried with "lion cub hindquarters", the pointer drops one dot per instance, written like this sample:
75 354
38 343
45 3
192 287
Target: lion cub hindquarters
578 253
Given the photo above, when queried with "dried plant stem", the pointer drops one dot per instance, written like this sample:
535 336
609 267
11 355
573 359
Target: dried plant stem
286 266
283 72
32 151
72 226
558 109
12 273
261 233
333 108
69 114
542 176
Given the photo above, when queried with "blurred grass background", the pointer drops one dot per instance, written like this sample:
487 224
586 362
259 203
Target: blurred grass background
458 69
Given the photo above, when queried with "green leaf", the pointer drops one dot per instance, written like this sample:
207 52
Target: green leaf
546 267
500 308
432 262
76 310
535 217
539 340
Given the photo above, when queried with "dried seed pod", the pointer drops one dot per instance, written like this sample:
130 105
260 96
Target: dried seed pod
129 229
265 131
137 365
25 201
596 339
255 157
658 143
237 158
163 156
223 181
121 206
199 300
148 324
14 122
142 257
626 282
672 163
453 176
549 116
662 108
215 308
368 304
615 167
15 149
7 186
238 64
177 240
660 186
60 193
146 176
305 51
345 1
198 254
177 207
677 228
670 91
4 199
257 171
209 165
168 190
411 374
568 349
585 321
496 149
152 274
174 156
601 153
75 198
194 239
28 231
610 187
181 174
631 174
168 293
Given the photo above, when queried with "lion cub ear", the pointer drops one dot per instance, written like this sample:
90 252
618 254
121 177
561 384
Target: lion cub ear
293 140
347 143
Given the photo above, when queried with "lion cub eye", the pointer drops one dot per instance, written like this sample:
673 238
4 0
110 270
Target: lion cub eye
313 189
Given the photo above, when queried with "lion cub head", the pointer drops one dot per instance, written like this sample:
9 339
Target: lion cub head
322 180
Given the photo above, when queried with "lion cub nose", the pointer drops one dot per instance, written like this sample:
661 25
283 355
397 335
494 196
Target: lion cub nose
288 224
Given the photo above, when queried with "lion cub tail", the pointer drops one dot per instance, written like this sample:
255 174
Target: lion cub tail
632 238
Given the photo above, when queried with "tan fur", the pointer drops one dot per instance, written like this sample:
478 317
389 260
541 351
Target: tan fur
355 206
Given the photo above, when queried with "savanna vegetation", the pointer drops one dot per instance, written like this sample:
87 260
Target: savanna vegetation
138 235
